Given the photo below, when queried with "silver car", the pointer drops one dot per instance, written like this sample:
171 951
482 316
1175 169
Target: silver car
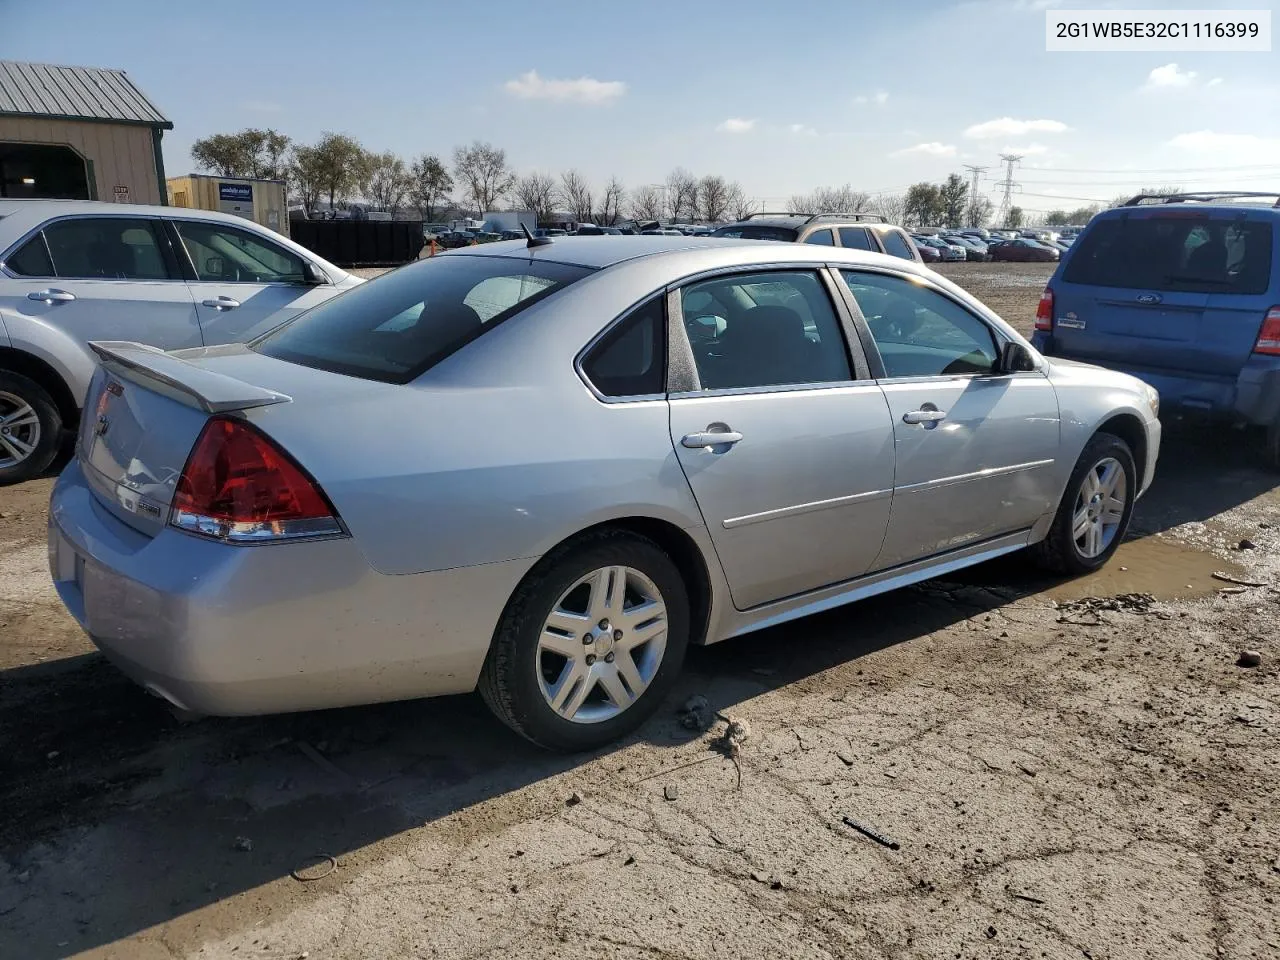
546 468
73 271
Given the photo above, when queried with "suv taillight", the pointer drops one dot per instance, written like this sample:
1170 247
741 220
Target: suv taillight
1044 311
239 486
1269 335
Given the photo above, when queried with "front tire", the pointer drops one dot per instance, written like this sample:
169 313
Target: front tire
30 428
590 643
1095 510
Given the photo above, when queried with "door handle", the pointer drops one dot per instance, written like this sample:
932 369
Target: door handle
51 296
924 416
696 441
221 303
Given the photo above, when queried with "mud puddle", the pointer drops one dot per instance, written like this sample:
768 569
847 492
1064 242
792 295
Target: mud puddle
1164 568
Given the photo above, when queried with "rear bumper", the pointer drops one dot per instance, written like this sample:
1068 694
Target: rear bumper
227 630
1252 397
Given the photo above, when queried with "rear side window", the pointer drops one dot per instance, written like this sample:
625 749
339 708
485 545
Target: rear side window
895 244
398 326
631 360
856 238
32 260
823 238
1193 254
104 248
758 231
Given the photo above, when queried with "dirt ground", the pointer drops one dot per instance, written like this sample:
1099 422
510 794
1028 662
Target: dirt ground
1065 770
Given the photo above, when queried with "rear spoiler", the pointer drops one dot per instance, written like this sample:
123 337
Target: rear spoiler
212 392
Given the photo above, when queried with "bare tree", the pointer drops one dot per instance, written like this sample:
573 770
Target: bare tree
891 206
647 203
740 206
387 181
482 170
981 209
537 192
431 185
713 199
682 194
576 194
831 200
954 192
306 177
611 203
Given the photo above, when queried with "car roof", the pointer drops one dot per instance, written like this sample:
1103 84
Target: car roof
606 251
1183 207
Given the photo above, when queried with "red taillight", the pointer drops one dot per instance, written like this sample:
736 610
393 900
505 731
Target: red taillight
238 485
1044 311
1269 335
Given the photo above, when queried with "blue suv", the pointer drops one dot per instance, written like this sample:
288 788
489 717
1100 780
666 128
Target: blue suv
1182 291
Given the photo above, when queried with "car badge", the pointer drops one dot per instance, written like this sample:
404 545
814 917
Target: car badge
1150 298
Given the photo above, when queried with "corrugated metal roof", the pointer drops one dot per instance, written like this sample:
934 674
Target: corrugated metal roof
77 93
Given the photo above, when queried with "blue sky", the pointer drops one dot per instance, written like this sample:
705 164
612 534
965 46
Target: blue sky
782 97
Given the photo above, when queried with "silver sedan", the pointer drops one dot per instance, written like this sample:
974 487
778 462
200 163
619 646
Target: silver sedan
544 469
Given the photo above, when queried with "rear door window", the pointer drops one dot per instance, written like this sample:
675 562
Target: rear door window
32 260
856 238
823 238
105 248
1174 252
398 326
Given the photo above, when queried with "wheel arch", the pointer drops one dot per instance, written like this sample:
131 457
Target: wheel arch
34 368
1129 428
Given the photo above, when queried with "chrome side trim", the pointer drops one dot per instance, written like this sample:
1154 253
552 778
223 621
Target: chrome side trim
986 474
800 508
880 582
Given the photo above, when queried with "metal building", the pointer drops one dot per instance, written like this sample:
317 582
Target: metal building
78 133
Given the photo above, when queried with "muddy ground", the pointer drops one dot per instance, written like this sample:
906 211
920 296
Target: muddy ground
1062 779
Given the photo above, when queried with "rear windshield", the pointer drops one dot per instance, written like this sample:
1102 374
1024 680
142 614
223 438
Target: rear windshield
1193 254
398 326
758 231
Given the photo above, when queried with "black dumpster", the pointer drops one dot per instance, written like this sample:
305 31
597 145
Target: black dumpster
360 243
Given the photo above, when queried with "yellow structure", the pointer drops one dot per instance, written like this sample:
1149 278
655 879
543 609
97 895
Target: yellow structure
262 201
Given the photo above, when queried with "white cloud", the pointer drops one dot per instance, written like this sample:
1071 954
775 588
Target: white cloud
1169 77
531 86
932 149
1214 82
801 129
1027 150
1009 127
1228 148
737 125
879 98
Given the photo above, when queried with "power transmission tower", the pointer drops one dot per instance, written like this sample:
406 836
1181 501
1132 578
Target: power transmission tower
973 192
1006 204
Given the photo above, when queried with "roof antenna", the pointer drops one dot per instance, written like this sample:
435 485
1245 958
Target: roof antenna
534 241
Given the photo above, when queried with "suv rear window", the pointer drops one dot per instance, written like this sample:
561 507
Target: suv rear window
400 325
757 231
1193 254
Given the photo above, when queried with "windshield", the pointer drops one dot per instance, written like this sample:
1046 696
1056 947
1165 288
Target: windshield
398 326
757 231
1177 252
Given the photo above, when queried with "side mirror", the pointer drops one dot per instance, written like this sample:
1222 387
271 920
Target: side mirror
1015 358
314 275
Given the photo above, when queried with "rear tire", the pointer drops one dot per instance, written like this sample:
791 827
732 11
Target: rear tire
553 609
30 428
1081 540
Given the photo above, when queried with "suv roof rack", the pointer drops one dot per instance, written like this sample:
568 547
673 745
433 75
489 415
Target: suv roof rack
811 217
1200 196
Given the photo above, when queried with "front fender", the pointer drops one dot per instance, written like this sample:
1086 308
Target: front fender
66 356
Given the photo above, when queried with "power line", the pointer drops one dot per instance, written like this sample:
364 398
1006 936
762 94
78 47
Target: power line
1252 166
973 192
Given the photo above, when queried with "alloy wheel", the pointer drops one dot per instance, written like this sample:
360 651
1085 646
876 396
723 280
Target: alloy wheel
602 644
19 430
1099 507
